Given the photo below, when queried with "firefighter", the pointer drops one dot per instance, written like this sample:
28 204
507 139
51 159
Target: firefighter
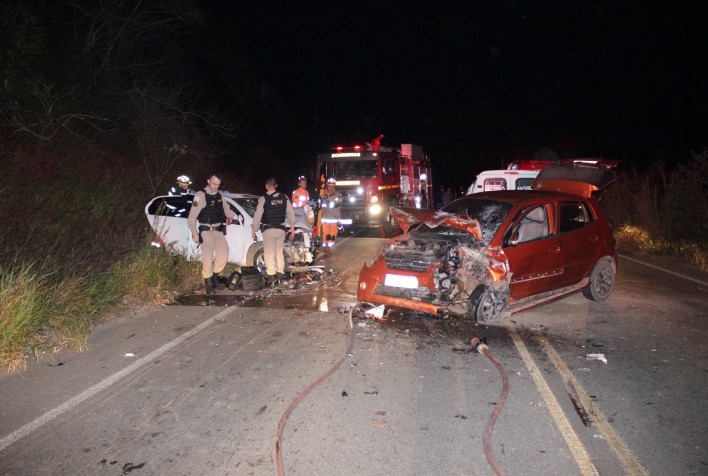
213 214
331 214
271 212
182 188
301 197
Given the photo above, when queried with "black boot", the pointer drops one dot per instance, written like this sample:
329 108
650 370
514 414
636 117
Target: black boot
209 287
216 282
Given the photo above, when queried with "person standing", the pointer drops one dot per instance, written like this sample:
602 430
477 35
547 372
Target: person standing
331 214
272 210
301 197
213 214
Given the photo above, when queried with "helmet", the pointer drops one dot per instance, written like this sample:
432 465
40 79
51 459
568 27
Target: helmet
301 178
184 180
332 181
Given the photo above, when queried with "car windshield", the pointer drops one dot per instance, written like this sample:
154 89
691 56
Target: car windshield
489 213
351 169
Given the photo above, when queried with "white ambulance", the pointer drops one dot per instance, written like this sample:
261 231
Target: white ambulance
506 179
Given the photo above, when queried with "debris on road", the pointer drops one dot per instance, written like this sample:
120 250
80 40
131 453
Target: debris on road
600 357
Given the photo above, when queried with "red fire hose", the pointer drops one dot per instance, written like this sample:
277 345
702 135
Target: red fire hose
482 348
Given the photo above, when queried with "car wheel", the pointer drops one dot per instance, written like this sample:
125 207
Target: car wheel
486 304
259 261
602 280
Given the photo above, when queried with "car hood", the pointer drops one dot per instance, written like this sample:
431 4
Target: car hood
577 176
407 217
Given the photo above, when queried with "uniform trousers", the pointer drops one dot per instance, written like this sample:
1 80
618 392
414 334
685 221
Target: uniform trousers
273 239
215 253
329 232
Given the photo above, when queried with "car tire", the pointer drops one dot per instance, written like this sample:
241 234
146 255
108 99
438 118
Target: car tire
602 281
486 304
259 261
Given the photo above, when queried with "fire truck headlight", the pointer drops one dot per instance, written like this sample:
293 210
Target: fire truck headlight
352 199
374 209
360 191
423 177
374 199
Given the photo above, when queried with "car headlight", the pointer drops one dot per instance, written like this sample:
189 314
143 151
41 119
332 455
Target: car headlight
374 209
360 190
352 199
374 199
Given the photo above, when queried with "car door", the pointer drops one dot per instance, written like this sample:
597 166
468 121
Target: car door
534 253
580 237
238 233
167 216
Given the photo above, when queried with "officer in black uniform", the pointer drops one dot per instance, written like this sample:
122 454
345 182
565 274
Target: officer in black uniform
270 216
213 214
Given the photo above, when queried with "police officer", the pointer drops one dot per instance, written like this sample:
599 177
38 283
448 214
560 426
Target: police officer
213 214
271 211
182 188
331 203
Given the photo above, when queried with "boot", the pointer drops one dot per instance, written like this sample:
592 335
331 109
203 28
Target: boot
209 287
270 280
216 282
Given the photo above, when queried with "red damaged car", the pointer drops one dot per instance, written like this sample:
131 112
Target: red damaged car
491 252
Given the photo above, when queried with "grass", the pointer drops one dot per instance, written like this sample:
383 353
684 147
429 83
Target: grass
630 237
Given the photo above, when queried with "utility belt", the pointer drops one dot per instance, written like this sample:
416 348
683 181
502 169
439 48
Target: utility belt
265 227
214 227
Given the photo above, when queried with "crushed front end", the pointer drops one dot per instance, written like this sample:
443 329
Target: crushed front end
433 269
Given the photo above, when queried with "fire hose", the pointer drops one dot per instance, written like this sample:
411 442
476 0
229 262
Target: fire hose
482 348
280 468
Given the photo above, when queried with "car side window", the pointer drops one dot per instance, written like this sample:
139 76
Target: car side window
238 217
574 215
533 225
175 206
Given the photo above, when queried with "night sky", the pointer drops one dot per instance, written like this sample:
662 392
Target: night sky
476 83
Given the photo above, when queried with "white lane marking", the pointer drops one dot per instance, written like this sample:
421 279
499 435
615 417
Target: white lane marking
626 457
576 447
704 283
105 383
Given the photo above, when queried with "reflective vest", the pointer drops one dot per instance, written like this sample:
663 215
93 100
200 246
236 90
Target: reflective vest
213 212
300 197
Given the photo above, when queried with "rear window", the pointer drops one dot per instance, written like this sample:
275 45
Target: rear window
495 183
524 183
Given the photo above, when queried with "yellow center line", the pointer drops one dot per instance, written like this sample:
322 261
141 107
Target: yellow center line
580 454
626 457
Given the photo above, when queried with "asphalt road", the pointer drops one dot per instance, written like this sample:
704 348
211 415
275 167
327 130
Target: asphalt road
208 389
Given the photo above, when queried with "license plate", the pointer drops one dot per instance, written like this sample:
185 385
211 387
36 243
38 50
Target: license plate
398 281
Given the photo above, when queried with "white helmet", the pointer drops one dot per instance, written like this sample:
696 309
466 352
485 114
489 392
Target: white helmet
183 180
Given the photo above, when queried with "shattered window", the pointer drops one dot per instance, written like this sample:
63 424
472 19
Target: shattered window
489 213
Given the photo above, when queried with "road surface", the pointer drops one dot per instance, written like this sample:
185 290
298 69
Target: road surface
209 389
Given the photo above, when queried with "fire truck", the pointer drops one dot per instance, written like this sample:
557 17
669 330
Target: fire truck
372 179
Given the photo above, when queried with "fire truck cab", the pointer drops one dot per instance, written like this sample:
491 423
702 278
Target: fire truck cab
371 181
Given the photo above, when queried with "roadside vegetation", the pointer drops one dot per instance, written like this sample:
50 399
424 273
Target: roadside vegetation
663 210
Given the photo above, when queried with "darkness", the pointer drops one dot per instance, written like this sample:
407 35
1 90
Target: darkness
477 84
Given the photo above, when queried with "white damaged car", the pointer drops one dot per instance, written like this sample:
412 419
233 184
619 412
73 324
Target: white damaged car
168 219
